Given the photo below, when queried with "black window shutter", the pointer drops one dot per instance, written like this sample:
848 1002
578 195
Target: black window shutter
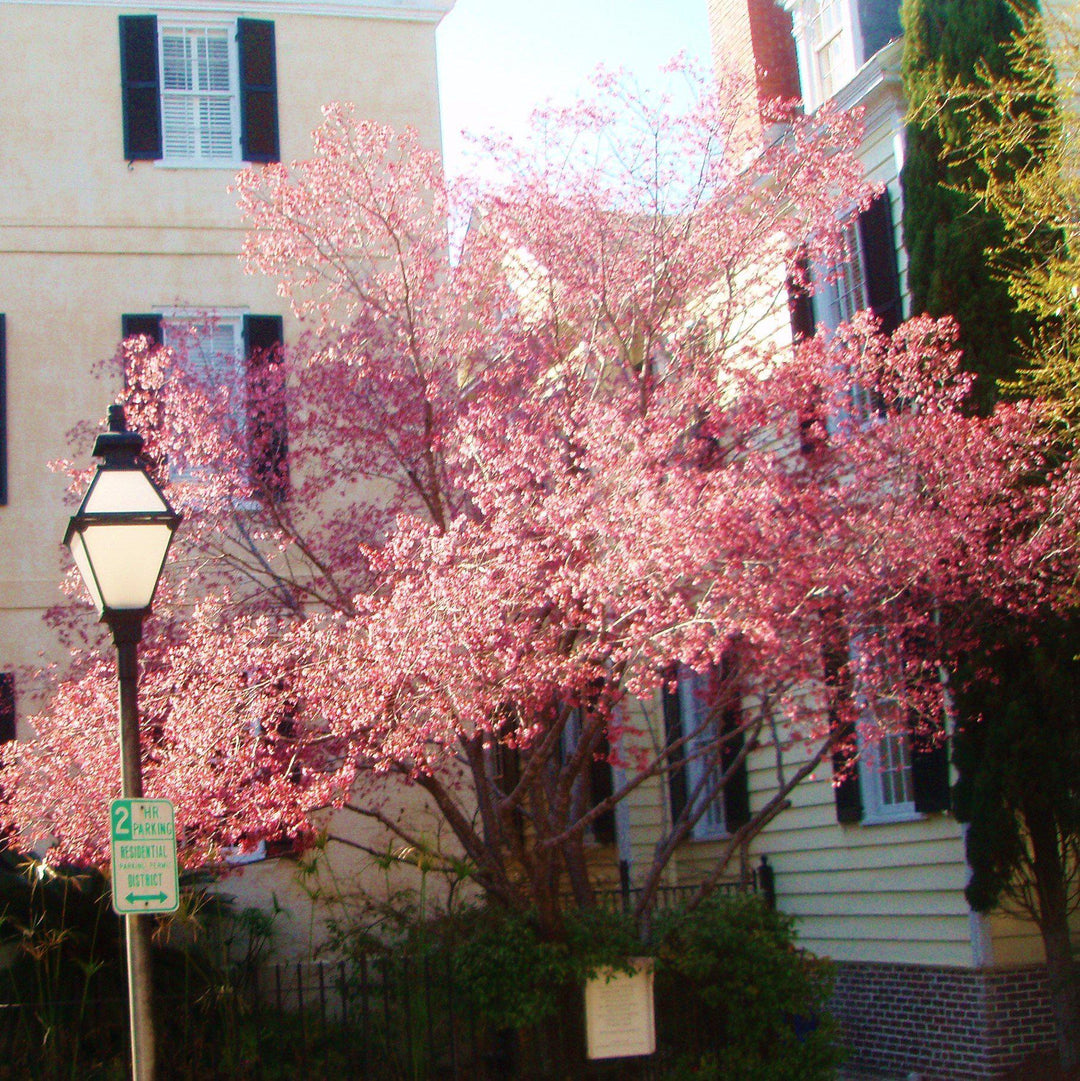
3 413
930 773
847 791
150 325
7 707
672 733
879 257
601 785
268 435
801 317
800 306
737 789
258 91
139 87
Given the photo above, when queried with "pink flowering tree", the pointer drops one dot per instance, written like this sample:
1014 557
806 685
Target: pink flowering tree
538 469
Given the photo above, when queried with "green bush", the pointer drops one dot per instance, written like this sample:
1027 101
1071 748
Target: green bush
515 978
736 998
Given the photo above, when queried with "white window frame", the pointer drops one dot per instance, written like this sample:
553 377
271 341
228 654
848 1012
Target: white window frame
886 781
842 296
837 43
700 732
886 778
846 292
176 324
191 29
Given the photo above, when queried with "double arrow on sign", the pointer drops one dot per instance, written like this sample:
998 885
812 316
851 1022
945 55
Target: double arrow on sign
133 898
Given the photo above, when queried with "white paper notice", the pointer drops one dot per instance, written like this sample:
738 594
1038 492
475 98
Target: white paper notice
619 1016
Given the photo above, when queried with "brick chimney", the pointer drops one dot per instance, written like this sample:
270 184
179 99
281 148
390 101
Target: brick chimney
754 37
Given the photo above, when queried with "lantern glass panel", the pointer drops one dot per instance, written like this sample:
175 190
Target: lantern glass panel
121 561
123 491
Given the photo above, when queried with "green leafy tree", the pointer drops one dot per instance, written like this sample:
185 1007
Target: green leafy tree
1018 791
990 225
1021 162
949 233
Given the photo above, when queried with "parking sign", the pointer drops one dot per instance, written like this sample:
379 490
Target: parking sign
144 872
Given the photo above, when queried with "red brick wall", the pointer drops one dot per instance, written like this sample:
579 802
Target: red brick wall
943 1024
754 36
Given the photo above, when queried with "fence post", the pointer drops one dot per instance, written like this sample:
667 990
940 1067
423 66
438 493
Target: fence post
767 883
364 1013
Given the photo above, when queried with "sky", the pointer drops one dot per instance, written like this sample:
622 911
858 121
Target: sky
499 59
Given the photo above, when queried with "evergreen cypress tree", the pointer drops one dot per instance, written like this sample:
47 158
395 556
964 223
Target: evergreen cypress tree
1018 757
1017 745
948 234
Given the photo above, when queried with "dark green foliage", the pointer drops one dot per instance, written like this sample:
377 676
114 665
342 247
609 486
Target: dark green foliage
63 990
513 977
734 996
1017 744
65 963
742 999
480 994
1018 754
1019 789
950 239
731 986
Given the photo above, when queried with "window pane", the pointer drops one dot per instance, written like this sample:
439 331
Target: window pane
211 351
215 128
175 62
894 770
199 94
181 127
699 725
827 40
213 63
850 287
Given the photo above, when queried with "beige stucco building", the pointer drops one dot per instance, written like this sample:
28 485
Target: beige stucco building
124 125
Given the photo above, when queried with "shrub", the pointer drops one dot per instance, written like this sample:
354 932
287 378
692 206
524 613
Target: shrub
737 998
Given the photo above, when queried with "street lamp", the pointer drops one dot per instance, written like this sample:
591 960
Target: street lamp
119 538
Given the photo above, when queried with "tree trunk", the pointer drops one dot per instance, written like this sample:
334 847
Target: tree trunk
1064 996
1050 882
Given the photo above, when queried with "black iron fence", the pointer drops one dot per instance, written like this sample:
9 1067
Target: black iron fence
759 880
381 1017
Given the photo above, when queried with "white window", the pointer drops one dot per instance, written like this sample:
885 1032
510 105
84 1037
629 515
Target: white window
827 34
847 293
701 719
210 345
200 109
885 774
825 42
888 789
844 295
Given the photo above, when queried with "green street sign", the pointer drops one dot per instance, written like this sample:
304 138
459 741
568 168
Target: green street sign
144 873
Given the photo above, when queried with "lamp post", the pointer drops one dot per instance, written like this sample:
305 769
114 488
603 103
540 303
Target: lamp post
119 538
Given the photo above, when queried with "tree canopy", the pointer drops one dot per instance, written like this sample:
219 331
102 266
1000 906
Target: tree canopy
526 483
